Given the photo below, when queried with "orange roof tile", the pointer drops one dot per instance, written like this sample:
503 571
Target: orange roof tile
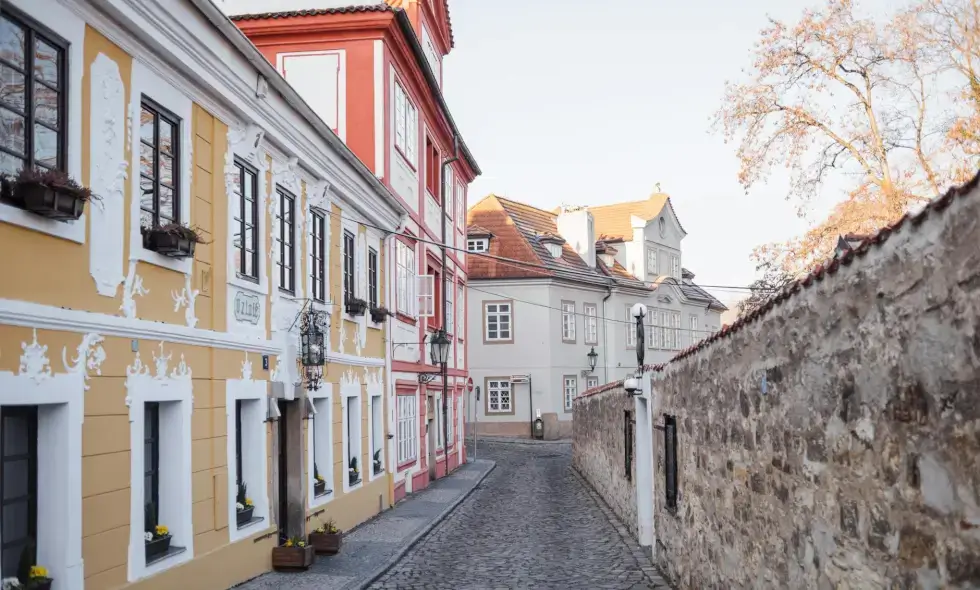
612 222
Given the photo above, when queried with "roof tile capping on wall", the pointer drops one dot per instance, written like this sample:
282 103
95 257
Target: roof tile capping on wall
832 438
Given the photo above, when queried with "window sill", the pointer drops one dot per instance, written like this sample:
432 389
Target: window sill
171 552
401 316
73 231
324 494
181 265
254 521
405 465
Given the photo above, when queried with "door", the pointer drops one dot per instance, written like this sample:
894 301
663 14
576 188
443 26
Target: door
431 435
283 471
18 486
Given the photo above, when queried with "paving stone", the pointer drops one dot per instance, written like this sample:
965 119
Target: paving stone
441 496
388 530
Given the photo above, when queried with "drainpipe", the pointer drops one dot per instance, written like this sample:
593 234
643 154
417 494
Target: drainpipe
530 403
605 335
445 365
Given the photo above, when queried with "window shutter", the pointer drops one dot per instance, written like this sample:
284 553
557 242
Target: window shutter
426 291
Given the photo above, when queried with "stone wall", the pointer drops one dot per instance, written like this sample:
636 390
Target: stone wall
833 441
599 450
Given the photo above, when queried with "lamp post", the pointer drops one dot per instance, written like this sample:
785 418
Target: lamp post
593 357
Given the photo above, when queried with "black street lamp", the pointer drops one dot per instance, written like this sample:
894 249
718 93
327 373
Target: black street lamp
312 350
439 348
632 384
593 357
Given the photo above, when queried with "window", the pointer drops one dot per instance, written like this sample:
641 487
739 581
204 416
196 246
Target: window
447 185
348 266
352 431
673 333
246 207
440 439
427 295
460 206
628 444
652 261
33 100
151 466
591 324
591 382
432 169
478 245
568 321
373 277
694 334
318 258
449 422
570 389
18 484
675 266
670 461
499 400
408 429
238 442
498 322
406 126
159 165
450 312
630 328
377 435
406 278
554 250
460 313
287 241
321 447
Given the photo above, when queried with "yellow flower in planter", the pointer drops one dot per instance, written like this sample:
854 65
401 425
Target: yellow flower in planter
288 543
162 531
301 544
249 503
38 571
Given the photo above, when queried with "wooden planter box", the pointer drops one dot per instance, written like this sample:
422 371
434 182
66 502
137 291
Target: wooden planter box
292 558
326 543
49 202
356 307
168 243
157 547
244 516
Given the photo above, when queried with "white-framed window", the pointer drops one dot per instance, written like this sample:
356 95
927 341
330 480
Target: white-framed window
674 322
569 389
406 125
245 409
675 266
460 205
477 245
450 421
591 323
431 54
351 406
448 182
652 261
568 321
440 438
499 398
427 296
407 272
450 311
694 332
319 441
377 458
460 313
658 323
591 381
554 249
630 328
408 428
498 324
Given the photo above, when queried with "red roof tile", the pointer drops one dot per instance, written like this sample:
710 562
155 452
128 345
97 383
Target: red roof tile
612 222
313 12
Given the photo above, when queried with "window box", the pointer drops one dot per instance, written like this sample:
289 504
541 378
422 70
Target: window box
157 547
376 464
244 516
378 314
319 487
326 539
51 194
353 473
293 555
356 307
173 240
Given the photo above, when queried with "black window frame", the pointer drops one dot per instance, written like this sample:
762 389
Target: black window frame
287 229
628 442
670 462
318 269
248 173
373 277
161 113
349 277
28 413
238 442
35 30
151 472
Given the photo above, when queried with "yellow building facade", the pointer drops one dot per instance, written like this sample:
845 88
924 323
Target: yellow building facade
141 388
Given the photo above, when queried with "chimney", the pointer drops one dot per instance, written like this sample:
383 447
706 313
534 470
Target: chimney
576 225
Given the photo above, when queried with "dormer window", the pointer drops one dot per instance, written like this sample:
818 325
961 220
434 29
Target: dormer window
477 245
554 250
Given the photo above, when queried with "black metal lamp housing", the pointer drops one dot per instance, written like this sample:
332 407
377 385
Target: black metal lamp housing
593 358
439 348
311 341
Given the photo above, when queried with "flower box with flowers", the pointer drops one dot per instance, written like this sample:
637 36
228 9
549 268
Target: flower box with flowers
377 464
244 507
355 307
353 473
157 542
173 240
379 314
29 577
326 539
48 193
294 554
319 484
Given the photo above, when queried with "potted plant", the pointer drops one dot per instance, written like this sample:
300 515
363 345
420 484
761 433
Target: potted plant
157 542
377 462
30 576
243 505
294 554
353 475
326 539
49 193
356 306
319 484
378 314
173 240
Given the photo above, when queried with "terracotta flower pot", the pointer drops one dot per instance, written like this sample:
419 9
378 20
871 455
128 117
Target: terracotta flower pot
326 543
292 558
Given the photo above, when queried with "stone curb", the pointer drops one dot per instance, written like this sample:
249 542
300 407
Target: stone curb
516 440
394 559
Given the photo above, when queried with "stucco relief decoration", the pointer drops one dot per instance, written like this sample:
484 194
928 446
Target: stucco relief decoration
109 173
373 378
34 362
131 289
89 356
161 364
243 141
246 369
349 378
186 299
286 174
343 336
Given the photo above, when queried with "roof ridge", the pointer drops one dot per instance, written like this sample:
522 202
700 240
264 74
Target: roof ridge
522 204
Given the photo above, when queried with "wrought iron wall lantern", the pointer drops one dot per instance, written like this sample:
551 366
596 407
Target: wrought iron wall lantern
439 347
593 358
312 327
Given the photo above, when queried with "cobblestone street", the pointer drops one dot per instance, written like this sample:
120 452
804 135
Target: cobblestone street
532 523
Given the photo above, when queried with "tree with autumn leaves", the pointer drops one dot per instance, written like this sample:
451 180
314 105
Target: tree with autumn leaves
890 110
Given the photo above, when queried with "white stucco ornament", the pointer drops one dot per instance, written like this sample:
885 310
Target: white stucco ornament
89 356
343 335
349 378
34 362
186 298
246 369
131 289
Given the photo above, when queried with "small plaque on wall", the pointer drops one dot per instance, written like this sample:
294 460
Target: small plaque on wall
247 308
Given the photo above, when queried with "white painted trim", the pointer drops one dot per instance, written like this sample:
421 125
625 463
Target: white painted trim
323 402
375 394
176 510
350 388
145 81
379 108
61 412
72 29
256 456
36 315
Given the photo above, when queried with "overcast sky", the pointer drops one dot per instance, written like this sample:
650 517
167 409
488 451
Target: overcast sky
588 103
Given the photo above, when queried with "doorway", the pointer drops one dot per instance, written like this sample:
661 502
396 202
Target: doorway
431 435
283 483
